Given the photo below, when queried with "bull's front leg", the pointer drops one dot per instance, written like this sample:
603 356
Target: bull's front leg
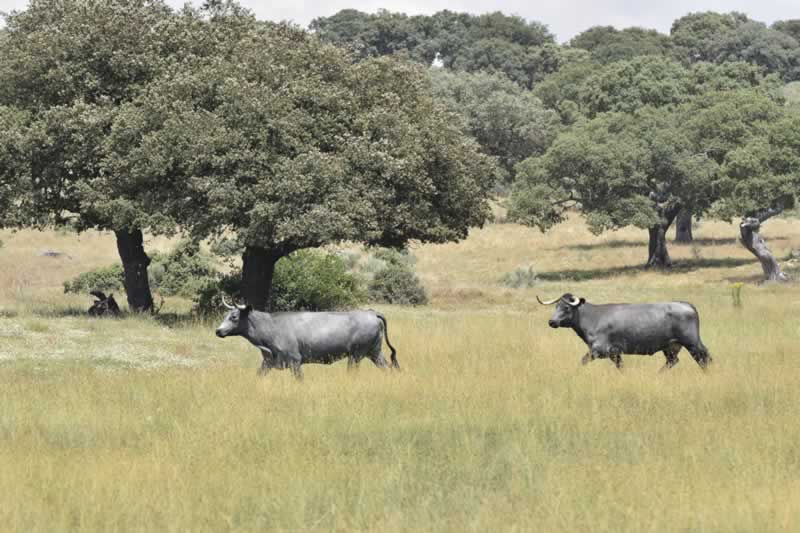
602 351
267 363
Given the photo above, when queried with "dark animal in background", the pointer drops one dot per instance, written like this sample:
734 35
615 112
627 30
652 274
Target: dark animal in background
103 305
611 330
289 340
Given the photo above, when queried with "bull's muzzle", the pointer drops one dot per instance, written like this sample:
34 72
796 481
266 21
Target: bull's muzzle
552 323
220 333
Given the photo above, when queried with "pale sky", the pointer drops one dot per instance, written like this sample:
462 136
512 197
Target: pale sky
565 18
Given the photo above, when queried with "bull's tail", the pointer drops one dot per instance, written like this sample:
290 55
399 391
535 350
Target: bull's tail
395 364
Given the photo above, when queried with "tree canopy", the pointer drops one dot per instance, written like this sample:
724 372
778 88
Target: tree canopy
290 144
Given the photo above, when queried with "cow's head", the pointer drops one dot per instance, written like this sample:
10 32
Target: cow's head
235 322
566 310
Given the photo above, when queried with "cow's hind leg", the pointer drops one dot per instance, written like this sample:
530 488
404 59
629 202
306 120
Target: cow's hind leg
700 354
352 363
671 353
379 360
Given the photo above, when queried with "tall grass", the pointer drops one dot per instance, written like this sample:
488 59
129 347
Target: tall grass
155 425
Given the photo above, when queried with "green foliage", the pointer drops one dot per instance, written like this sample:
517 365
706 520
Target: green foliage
617 169
307 280
607 44
333 150
313 280
508 122
104 279
397 284
184 271
452 35
181 272
720 38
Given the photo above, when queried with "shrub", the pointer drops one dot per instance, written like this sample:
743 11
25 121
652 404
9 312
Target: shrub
397 284
181 272
103 279
521 278
307 280
313 280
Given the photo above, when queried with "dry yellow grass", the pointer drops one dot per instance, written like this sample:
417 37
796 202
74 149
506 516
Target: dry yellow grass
142 425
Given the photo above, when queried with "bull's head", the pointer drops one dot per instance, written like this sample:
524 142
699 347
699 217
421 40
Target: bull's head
566 310
235 322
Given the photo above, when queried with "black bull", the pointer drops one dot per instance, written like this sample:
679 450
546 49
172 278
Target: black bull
614 329
289 340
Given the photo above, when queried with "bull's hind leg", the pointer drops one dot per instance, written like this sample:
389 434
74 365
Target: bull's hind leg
379 360
671 353
700 354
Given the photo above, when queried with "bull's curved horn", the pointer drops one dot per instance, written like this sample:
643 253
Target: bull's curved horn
574 302
548 302
226 304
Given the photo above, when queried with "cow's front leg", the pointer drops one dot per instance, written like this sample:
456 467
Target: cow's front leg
617 359
294 364
266 364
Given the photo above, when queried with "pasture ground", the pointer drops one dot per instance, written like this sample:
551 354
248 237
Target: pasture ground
147 424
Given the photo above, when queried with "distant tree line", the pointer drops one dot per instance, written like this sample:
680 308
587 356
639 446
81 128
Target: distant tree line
650 127
131 117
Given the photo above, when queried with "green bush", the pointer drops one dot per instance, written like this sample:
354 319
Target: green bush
104 279
397 284
307 280
181 272
312 280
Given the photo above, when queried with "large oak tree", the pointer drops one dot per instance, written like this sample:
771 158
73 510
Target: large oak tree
288 143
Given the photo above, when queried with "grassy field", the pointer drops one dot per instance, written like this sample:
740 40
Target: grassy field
150 424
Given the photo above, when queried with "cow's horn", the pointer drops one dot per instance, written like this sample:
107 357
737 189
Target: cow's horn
574 302
226 304
549 302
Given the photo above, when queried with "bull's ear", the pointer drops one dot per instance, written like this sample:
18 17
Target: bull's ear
583 301
248 308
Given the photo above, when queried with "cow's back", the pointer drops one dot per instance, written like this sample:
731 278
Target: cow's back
319 334
645 328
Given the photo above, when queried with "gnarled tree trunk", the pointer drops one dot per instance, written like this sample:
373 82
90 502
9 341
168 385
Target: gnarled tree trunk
258 267
658 255
683 227
134 263
752 240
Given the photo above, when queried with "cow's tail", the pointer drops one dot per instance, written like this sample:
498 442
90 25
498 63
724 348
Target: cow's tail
395 364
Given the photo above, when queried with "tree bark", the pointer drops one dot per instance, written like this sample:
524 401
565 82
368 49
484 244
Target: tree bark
134 263
752 240
258 267
658 255
683 227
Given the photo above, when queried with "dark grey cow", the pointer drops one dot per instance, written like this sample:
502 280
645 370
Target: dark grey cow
288 340
614 329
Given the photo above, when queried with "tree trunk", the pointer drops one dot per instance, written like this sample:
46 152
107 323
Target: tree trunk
751 239
683 227
658 255
258 267
134 263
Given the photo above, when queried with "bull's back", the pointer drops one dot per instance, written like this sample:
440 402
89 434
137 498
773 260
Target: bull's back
649 328
318 334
